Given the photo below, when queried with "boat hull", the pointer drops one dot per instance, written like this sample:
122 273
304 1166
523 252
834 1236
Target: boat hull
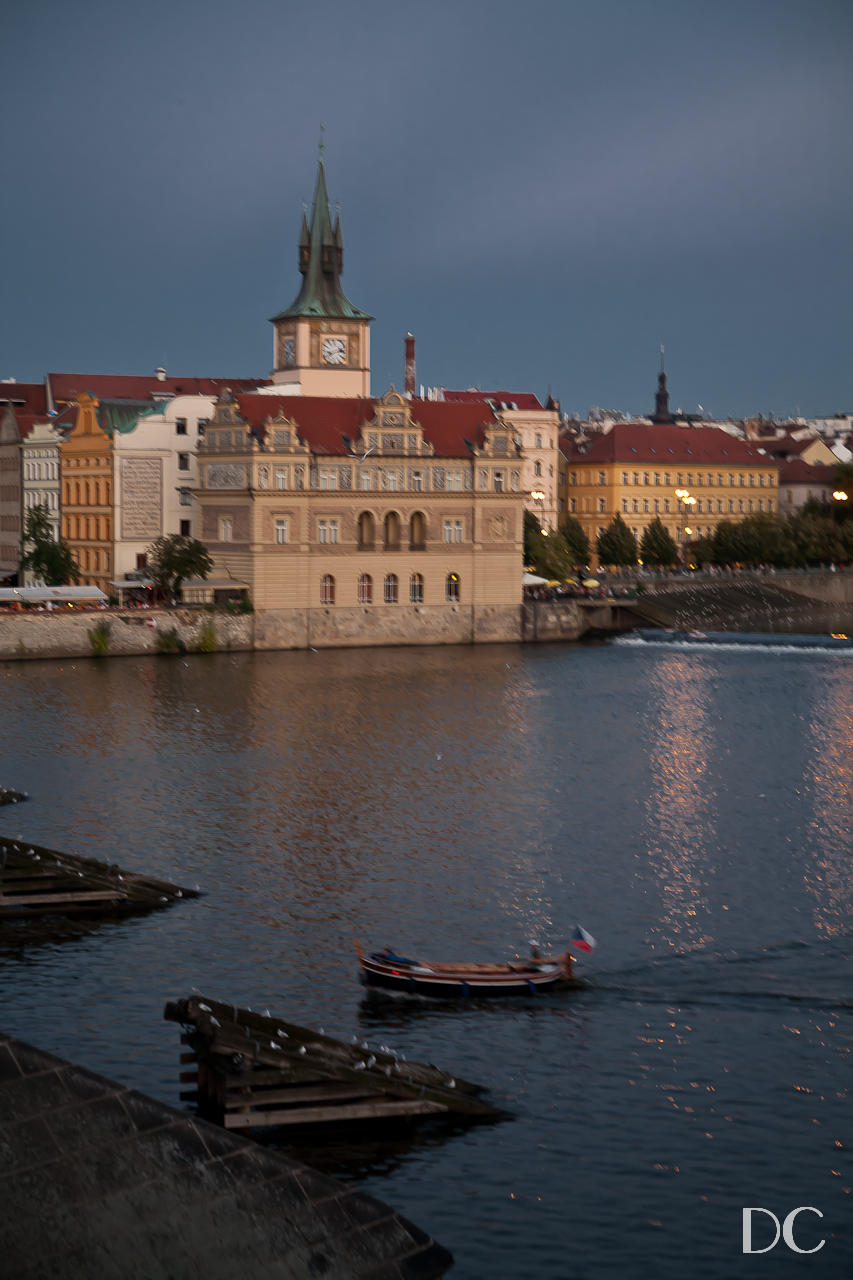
471 982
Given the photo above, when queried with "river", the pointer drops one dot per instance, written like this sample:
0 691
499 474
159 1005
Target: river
691 808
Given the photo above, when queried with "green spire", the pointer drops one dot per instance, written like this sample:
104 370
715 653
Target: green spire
321 258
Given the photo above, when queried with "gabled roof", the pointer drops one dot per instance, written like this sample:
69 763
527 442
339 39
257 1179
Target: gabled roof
665 444
323 422
117 386
500 399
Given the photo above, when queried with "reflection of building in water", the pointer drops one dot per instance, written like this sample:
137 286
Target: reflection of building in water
680 750
829 780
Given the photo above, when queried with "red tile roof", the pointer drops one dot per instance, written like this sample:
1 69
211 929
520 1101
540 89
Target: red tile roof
796 471
635 442
30 397
116 386
323 421
502 399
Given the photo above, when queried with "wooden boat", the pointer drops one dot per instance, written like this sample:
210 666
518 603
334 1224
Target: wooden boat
431 978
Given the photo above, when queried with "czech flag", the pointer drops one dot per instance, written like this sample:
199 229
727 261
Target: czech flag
582 940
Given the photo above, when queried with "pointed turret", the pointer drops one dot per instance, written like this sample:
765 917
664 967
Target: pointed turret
321 264
662 413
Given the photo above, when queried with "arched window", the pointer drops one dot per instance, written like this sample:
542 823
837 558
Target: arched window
327 589
392 531
365 589
391 588
416 588
366 531
451 589
537 468
417 532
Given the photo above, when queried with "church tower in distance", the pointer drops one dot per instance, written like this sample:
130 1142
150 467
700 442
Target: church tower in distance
322 342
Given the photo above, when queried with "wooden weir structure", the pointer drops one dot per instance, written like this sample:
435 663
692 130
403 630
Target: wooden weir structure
251 1070
35 881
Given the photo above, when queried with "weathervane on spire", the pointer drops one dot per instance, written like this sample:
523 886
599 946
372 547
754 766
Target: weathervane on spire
322 144
661 357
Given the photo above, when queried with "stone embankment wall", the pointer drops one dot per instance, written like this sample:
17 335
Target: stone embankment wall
374 626
544 620
99 1180
82 633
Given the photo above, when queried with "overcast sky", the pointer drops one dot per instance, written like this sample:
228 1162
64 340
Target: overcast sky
542 192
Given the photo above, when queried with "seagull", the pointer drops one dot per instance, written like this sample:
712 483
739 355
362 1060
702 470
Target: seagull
302 1049
364 455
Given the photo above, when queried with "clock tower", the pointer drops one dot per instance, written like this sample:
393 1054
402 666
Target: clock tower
322 342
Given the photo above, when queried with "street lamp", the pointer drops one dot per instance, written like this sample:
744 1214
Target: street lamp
538 496
686 502
839 495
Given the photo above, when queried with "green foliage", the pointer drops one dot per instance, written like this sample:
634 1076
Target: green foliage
51 562
617 544
168 640
207 636
657 545
577 542
532 539
173 558
99 637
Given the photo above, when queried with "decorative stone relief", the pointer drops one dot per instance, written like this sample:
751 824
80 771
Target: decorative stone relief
225 476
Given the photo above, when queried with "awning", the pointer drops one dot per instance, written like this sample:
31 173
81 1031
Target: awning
533 580
35 595
216 584
127 584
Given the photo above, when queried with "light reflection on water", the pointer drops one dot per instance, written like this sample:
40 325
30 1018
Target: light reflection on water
693 810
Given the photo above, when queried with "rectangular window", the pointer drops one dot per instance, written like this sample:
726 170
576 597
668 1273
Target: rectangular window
636 477
602 478
281 477
645 477
573 477
657 506
185 499
624 477
454 481
391 481
573 505
601 506
328 479
226 529
185 528
417 481
181 426
646 506
666 505
200 426
499 482
657 477
452 530
365 480
183 462
281 530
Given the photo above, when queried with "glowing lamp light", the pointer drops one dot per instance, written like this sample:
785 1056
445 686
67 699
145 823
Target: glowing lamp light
839 495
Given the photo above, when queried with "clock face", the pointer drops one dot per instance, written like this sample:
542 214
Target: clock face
334 350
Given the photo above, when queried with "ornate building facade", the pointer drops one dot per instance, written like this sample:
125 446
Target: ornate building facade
352 521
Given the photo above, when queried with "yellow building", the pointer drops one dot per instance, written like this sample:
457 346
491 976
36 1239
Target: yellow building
352 521
691 477
86 479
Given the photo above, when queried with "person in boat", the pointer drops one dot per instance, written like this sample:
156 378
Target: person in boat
535 954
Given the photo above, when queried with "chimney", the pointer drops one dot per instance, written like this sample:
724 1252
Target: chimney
161 374
409 382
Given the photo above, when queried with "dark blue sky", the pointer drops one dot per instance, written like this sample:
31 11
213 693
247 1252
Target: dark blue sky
543 193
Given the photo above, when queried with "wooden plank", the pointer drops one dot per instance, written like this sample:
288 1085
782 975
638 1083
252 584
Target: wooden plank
188 1057
97 895
187 1077
296 1097
322 1115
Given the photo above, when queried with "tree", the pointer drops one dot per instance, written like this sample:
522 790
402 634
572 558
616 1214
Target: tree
657 545
577 543
532 539
50 560
617 544
173 558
